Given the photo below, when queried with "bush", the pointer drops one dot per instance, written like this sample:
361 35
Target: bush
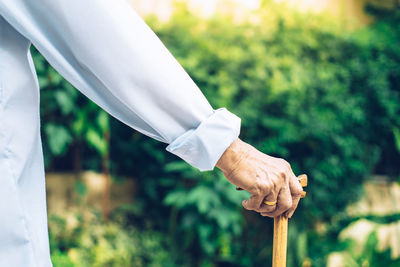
324 98
97 243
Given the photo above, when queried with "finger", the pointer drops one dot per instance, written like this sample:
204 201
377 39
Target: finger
289 213
254 202
284 203
272 198
295 191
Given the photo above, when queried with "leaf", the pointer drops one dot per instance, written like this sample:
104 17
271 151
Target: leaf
176 166
79 124
43 81
226 218
58 138
64 101
204 198
96 141
175 198
103 121
54 77
396 133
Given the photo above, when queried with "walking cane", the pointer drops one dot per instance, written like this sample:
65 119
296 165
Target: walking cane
280 232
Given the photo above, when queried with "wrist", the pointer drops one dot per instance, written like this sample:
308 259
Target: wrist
231 157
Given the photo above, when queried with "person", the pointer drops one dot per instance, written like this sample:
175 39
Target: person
108 52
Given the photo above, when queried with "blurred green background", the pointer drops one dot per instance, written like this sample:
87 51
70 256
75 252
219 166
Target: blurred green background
316 89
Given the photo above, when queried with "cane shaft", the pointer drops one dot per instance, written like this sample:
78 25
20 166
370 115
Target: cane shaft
280 241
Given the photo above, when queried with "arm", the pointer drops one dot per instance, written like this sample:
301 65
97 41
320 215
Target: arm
108 52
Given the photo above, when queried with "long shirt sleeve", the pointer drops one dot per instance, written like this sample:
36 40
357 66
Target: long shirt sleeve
109 53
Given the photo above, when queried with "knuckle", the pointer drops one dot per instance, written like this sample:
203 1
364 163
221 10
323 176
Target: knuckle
268 187
286 205
297 193
282 173
299 188
286 169
285 164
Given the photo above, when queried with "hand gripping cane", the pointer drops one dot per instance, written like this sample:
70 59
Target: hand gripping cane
280 232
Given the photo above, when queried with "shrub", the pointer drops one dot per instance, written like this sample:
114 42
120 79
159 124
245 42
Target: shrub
324 98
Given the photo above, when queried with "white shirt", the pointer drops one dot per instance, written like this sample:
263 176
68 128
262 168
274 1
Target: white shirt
107 52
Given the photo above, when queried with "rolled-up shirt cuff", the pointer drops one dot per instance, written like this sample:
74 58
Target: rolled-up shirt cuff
202 147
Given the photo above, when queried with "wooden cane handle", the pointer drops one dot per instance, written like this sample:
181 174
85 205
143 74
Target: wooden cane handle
303 180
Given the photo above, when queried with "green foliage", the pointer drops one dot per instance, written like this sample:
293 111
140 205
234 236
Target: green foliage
323 98
59 138
369 255
396 134
60 259
207 203
97 243
72 123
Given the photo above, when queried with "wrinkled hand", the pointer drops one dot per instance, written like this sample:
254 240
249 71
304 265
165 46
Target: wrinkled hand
266 178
